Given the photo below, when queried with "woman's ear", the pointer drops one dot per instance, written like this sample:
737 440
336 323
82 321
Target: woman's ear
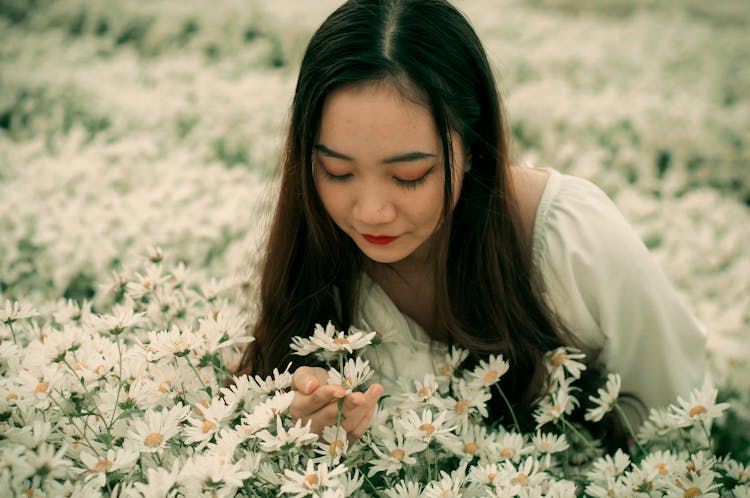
467 162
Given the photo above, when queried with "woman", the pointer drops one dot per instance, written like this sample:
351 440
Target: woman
400 211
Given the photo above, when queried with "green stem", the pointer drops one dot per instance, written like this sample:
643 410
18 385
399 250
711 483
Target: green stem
510 408
12 332
340 404
630 427
192 367
96 408
578 433
708 436
119 383
85 423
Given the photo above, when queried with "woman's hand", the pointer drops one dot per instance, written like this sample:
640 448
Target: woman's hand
317 400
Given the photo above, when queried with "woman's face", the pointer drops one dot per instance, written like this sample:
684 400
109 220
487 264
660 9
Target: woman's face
378 168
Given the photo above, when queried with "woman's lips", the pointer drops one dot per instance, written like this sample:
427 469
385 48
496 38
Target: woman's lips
379 239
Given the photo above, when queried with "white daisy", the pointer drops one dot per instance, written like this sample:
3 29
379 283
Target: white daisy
146 283
473 440
605 400
693 486
449 486
16 310
510 446
331 340
151 433
265 413
397 452
213 416
405 489
111 461
489 372
554 406
563 359
423 392
207 473
296 436
425 428
699 408
356 372
659 464
470 399
311 480
608 467
487 474
549 443
525 475
333 442
447 369
119 320
612 488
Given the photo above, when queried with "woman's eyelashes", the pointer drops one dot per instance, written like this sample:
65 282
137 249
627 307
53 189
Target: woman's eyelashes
407 183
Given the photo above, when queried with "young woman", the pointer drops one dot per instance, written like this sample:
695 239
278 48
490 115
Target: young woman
400 211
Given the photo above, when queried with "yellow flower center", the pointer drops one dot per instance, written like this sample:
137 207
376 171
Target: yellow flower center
545 446
697 410
341 341
79 365
521 479
611 493
507 453
662 469
491 476
208 426
11 396
427 428
165 386
462 407
103 466
691 492
490 376
310 481
423 392
445 370
336 444
398 454
41 387
559 358
153 440
471 448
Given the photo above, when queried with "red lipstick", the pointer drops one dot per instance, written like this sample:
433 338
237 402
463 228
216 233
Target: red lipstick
378 239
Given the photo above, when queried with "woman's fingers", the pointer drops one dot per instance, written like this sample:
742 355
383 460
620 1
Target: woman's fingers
362 408
307 379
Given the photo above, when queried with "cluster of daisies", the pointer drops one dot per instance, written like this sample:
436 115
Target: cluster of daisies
129 397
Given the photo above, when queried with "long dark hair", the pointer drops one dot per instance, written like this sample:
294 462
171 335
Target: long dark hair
488 295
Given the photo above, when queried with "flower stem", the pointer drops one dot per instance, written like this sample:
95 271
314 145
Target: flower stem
119 383
192 367
625 419
510 408
708 436
578 433
340 404
12 332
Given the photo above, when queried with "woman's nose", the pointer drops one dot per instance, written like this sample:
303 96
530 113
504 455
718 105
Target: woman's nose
374 208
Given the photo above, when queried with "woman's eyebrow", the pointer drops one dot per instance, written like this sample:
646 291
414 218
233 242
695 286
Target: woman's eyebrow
401 158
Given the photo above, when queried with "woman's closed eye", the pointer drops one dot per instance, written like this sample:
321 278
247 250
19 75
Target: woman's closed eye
406 182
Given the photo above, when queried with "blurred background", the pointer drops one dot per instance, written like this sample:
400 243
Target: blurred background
131 124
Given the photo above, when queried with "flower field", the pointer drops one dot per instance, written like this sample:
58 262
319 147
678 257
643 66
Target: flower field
138 144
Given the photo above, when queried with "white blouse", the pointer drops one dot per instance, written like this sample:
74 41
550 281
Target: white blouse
599 278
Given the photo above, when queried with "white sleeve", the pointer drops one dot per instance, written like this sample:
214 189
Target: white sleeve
601 280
